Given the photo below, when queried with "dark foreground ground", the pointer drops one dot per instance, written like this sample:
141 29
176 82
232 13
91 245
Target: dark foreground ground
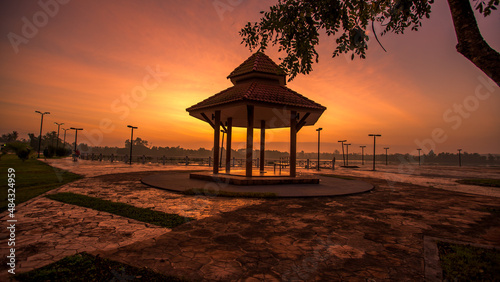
377 235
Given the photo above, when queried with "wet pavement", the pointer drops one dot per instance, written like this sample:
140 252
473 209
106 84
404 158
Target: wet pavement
377 235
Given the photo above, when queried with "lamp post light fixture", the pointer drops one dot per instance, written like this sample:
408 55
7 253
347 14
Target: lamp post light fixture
319 131
41 125
58 128
76 135
131 141
387 148
374 137
343 156
347 154
459 157
419 156
362 154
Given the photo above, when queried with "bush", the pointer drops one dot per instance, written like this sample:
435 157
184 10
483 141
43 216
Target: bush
22 150
24 154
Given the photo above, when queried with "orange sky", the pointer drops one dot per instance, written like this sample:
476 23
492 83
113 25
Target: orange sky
89 56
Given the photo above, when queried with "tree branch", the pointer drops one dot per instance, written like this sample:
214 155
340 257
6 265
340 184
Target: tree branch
470 41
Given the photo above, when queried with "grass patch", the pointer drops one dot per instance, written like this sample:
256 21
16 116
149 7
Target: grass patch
33 178
86 267
481 182
468 263
220 193
336 176
121 209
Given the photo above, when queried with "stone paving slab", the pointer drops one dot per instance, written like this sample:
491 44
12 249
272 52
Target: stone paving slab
127 188
47 231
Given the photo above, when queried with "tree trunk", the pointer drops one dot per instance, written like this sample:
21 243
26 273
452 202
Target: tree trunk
470 41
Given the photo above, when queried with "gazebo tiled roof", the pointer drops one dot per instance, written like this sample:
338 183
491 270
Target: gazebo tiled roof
258 92
258 62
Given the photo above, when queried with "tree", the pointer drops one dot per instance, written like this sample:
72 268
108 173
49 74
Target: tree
9 137
294 25
137 142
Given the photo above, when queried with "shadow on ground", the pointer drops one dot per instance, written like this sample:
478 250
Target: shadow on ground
375 235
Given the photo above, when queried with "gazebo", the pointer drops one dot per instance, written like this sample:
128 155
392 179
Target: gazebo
260 99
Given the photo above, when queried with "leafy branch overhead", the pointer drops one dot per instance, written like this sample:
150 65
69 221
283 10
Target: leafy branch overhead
295 26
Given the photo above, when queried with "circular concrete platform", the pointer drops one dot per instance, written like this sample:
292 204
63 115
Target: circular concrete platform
328 186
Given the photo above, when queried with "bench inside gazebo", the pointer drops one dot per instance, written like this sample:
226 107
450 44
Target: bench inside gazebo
259 99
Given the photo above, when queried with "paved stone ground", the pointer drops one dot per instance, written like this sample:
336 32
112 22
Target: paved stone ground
48 230
376 235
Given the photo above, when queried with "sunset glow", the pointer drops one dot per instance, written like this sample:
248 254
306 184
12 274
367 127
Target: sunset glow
101 65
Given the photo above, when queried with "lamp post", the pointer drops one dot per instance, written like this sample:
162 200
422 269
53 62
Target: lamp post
387 148
459 157
41 124
76 135
58 128
374 137
64 142
343 156
319 131
347 155
131 140
419 156
362 154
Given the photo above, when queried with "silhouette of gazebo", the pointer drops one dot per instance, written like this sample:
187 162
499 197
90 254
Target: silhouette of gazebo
258 99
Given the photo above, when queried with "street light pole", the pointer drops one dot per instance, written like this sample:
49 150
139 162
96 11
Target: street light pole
459 157
347 155
76 135
41 125
131 140
343 156
362 154
319 130
387 148
58 128
419 156
64 142
374 137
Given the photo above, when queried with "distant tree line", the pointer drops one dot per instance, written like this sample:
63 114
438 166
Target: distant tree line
12 142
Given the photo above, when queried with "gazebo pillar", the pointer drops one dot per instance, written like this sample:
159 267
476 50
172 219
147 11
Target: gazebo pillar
249 151
262 144
216 142
293 143
228 146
